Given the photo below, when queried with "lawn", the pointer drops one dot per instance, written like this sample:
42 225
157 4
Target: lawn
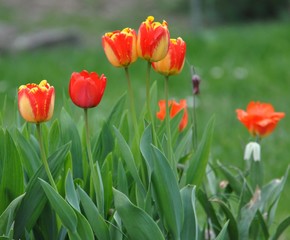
237 64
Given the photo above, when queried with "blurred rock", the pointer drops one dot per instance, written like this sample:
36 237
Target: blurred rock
45 39
7 35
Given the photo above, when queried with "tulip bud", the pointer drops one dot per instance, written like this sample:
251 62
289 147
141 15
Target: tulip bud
86 89
120 47
173 62
195 84
36 102
153 40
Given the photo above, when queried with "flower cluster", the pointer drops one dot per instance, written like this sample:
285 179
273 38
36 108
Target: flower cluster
139 183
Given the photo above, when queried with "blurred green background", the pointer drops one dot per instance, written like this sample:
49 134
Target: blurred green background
241 50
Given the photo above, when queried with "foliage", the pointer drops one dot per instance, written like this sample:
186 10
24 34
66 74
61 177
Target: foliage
136 192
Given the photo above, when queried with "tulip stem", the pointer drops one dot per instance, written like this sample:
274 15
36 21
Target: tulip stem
132 106
167 119
43 156
148 98
95 174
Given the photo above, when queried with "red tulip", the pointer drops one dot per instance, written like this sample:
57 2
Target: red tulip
260 118
175 108
36 102
120 47
152 40
86 89
173 62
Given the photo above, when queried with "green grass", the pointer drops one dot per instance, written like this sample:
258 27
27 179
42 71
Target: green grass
237 64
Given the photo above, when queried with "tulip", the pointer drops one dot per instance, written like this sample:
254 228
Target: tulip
120 47
153 40
260 118
86 89
175 108
36 102
173 62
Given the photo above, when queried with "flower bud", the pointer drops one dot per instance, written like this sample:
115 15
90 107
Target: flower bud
195 84
36 102
86 89
153 40
173 62
120 47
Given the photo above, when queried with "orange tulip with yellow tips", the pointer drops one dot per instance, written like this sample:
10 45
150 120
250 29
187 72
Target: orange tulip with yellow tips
120 47
153 40
173 62
36 102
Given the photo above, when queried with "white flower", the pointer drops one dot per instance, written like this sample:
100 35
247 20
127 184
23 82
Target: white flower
253 148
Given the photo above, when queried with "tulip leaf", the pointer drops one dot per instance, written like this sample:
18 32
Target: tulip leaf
84 229
6 218
146 149
117 111
129 159
95 219
190 224
281 228
61 207
168 198
138 223
30 159
209 209
104 145
54 136
260 200
197 165
70 192
232 226
34 199
12 180
237 183
106 173
70 133
223 232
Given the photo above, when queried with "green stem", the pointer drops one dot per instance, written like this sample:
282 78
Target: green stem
194 122
194 131
43 157
167 121
148 100
132 106
94 177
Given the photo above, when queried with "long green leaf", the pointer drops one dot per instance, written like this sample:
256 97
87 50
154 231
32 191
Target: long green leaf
129 159
209 209
117 111
70 133
197 166
54 137
61 207
12 182
223 232
84 229
5 218
190 224
167 194
139 225
70 192
34 199
281 228
95 219
232 227
30 159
